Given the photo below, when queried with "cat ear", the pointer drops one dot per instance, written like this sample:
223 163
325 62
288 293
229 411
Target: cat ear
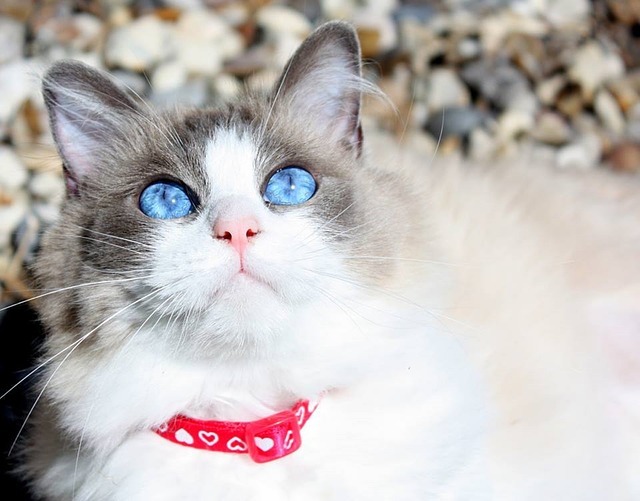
88 114
322 83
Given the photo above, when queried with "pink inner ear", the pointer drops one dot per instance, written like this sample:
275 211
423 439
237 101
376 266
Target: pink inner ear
76 148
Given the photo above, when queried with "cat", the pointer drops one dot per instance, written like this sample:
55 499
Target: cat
392 328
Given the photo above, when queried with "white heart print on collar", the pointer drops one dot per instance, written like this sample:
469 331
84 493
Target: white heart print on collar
235 444
208 437
264 444
183 436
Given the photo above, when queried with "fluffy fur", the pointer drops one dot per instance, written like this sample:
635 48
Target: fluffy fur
441 314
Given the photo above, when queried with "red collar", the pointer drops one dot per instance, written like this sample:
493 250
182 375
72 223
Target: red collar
264 440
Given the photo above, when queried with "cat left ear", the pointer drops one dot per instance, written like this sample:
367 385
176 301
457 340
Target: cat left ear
90 118
322 83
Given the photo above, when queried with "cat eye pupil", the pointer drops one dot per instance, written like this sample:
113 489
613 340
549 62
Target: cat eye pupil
165 200
290 186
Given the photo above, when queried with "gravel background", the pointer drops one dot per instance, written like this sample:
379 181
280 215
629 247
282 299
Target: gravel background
533 80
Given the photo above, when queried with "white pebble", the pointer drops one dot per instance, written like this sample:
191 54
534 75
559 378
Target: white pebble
203 41
566 13
47 212
168 76
481 145
16 84
202 24
609 112
11 39
583 154
47 186
551 128
90 28
513 122
138 46
225 87
13 174
10 218
198 57
281 19
444 89
547 90
338 9
592 66
285 45
234 13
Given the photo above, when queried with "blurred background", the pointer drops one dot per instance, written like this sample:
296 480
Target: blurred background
535 81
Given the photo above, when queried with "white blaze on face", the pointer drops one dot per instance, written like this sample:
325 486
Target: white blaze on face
229 161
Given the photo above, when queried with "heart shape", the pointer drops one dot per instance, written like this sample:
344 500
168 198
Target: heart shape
300 414
235 444
208 437
183 436
163 428
264 444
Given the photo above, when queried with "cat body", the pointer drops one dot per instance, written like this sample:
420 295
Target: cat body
429 312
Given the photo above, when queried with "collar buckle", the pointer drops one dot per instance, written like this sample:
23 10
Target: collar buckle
273 437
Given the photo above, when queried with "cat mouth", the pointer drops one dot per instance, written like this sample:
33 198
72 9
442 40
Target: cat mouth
246 277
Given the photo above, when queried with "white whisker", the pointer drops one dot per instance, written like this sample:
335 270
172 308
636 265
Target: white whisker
141 244
71 348
77 286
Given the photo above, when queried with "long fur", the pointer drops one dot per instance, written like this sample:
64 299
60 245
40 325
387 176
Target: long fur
437 312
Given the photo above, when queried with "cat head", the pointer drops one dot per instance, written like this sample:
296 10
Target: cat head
212 229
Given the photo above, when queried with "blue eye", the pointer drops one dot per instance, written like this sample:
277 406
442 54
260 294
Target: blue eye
290 186
165 200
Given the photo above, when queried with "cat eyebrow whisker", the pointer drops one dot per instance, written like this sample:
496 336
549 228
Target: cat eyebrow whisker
265 122
137 113
172 131
70 348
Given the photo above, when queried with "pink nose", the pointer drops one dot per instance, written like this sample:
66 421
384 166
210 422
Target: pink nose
237 232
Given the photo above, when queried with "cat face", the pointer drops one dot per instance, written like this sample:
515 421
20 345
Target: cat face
213 227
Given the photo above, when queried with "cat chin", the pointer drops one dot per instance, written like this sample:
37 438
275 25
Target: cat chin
246 314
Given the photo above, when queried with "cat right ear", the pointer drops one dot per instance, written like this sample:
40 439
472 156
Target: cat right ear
322 84
88 114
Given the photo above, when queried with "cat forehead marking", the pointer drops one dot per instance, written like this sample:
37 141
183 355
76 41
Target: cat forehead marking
230 163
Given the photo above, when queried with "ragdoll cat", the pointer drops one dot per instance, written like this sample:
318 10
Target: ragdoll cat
390 330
